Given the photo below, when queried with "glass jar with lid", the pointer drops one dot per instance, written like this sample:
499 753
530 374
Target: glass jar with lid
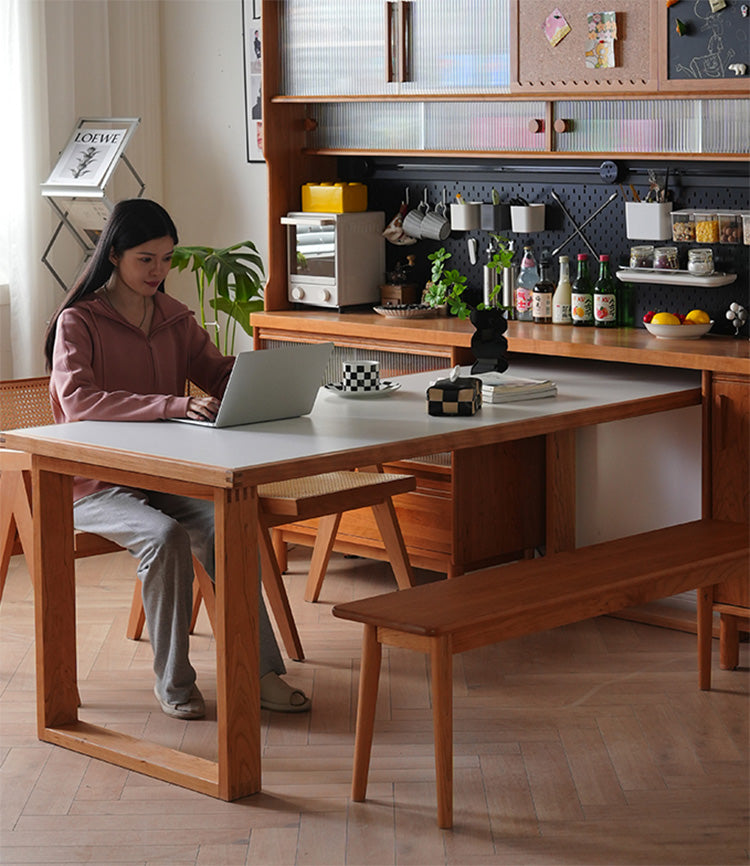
665 258
700 262
642 256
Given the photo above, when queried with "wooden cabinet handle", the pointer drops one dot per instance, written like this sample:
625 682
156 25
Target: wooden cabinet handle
536 125
563 125
310 124
391 52
405 24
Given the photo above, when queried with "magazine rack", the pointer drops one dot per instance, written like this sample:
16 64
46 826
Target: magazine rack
76 187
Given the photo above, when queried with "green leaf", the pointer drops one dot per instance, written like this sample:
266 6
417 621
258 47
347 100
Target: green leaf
234 275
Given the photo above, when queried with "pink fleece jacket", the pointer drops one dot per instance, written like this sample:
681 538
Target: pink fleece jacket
106 369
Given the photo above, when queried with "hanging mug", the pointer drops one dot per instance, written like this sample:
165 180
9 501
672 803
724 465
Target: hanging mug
435 224
413 220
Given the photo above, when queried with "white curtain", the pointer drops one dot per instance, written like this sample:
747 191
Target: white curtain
68 59
26 162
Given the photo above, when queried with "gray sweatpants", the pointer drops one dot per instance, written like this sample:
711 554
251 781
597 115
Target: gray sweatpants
162 531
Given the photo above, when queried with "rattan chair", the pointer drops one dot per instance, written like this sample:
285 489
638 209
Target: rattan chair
26 403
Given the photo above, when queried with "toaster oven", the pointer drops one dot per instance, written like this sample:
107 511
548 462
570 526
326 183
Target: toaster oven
335 259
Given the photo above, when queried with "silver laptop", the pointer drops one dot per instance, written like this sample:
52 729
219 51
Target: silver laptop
270 384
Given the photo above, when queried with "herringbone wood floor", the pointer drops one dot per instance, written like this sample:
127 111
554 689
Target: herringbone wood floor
585 745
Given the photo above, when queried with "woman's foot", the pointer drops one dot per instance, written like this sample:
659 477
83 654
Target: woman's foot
193 708
280 697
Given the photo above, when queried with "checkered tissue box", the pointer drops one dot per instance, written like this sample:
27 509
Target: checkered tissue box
455 396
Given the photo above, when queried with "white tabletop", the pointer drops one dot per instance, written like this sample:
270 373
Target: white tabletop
397 426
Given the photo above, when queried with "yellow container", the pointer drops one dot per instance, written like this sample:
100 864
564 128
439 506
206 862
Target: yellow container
334 197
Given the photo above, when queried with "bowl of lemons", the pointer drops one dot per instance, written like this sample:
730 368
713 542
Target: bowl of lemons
675 326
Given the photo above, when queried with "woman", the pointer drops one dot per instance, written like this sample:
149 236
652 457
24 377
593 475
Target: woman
119 349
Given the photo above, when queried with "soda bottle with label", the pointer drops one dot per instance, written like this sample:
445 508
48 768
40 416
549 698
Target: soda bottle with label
605 297
582 295
528 277
561 297
541 298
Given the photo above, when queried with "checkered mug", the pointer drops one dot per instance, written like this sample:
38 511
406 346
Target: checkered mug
361 376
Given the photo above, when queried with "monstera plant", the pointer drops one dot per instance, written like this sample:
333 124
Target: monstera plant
233 277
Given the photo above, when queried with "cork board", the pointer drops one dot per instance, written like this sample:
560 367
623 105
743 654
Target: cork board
541 66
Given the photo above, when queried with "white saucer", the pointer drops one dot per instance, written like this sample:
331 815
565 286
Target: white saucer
385 390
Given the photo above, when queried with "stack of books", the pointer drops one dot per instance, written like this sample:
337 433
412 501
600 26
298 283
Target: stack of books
502 388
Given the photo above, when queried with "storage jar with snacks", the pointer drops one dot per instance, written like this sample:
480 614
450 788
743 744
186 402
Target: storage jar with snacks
746 229
665 258
730 230
642 256
683 225
706 228
700 262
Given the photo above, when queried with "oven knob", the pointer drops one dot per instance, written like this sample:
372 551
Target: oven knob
325 295
297 293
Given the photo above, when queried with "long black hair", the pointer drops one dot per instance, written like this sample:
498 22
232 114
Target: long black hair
132 222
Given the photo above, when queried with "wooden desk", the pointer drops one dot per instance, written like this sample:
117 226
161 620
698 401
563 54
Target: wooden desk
226 466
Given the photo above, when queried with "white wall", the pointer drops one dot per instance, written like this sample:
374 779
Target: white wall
631 476
214 195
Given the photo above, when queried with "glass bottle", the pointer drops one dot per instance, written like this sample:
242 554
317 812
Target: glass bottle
528 277
582 295
561 297
605 297
541 298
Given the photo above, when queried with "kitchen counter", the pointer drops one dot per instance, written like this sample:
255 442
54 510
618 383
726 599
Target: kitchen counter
719 354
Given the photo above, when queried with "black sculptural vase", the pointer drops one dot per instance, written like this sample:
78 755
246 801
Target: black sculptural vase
488 343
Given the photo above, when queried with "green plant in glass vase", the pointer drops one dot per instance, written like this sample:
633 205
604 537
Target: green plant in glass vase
235 274
502 257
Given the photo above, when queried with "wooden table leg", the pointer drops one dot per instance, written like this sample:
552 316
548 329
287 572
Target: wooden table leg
441 659
560 493
704 620
369 677
55 604
237 642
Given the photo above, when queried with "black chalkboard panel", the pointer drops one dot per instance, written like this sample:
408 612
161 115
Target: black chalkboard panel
712 41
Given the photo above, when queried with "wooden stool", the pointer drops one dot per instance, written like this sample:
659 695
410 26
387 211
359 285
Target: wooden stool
326 496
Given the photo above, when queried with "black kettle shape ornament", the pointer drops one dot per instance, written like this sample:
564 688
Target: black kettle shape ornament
488 344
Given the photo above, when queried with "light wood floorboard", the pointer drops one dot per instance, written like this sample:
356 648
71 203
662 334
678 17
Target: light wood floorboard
590 744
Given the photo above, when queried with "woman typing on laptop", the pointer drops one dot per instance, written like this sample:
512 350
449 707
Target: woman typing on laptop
121 350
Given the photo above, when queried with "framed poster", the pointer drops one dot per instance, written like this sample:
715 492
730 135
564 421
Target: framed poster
87 161
252 48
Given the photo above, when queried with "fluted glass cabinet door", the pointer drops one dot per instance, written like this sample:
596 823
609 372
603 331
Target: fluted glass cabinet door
456 46
334 48
394 47
653 126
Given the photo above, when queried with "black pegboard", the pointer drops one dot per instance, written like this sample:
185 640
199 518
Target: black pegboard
696 186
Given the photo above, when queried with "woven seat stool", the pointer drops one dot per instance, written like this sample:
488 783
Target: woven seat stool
326 496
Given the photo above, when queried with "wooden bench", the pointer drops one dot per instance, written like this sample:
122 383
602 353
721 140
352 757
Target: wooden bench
505 602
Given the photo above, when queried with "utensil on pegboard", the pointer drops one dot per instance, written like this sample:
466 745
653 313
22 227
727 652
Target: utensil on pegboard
578 228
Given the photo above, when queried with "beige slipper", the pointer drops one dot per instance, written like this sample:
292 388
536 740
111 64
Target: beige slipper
280 697
193 708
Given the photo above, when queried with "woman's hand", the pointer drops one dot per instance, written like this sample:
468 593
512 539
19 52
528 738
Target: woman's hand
202 408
